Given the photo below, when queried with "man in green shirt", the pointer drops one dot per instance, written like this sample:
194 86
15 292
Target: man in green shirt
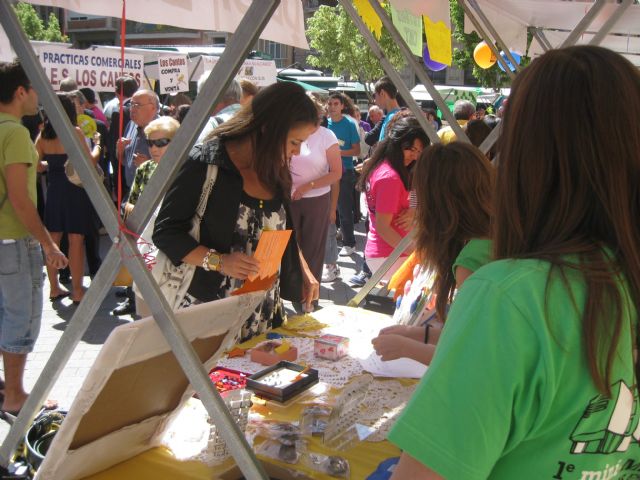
22 235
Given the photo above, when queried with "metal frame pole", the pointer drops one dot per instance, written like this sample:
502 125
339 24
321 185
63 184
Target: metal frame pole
384 268
583 24
249 30
485 36
390 70
539 35
474 4
611 22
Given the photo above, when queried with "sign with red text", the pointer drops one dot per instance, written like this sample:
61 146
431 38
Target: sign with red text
173 73
259 72
96 69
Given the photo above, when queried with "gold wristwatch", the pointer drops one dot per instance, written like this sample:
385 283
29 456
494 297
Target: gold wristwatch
212 261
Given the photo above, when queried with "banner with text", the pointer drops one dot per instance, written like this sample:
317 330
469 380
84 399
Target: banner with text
261 72
94 69
173 73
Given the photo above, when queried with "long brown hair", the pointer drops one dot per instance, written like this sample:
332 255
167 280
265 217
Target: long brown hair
454 188
567 185
401 136
274 111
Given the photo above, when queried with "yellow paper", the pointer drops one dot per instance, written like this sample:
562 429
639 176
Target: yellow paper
369 16
269 251
438 40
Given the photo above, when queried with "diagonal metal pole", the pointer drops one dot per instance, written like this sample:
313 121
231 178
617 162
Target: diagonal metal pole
251 26
491 139
391 71
474 4
485 36
384 268
611 22
583 24
541 38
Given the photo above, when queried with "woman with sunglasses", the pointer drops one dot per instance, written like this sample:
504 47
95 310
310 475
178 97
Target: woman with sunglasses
159 134
385 179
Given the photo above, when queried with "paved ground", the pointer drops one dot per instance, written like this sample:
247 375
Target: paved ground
56 317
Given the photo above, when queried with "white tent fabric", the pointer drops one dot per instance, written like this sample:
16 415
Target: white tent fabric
557 19
285 26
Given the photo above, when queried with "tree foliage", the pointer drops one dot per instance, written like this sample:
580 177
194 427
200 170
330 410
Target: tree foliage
338 45
35 28
463 57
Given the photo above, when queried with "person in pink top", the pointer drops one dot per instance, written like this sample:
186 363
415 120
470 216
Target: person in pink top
385 179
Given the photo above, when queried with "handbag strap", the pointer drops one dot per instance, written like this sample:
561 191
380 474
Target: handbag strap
210 180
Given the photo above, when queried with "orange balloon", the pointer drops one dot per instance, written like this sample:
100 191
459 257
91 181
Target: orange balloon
483 56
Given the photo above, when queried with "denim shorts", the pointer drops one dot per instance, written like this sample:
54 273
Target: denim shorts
20 294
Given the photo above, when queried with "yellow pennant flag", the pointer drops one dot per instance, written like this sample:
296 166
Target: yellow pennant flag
369 16
438 40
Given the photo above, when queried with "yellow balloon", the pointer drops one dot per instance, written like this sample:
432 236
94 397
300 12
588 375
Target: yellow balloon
483 55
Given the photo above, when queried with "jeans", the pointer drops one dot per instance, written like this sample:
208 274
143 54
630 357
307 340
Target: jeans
331 247
345 207
20 294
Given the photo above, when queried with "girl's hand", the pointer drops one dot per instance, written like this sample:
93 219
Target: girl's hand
392 347
415 333
239 265
404 219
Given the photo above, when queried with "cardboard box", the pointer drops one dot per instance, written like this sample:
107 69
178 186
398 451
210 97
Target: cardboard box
331 347
265 353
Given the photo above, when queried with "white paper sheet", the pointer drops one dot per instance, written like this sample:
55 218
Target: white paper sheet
400 368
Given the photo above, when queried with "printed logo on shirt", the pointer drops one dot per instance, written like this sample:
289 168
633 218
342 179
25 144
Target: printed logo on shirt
607 426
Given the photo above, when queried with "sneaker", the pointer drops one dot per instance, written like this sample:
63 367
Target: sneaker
346 251
330 273
359 279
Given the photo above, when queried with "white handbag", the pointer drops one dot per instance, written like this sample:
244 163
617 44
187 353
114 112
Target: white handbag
174 281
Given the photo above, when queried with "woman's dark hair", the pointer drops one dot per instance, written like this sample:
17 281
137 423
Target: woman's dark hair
69 107
567 186
477 130
454 187
402 134
181 112
274 111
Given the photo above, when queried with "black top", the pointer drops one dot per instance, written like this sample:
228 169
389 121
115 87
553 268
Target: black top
172 226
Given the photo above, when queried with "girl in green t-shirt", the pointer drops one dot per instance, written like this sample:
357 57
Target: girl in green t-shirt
453 185
536 375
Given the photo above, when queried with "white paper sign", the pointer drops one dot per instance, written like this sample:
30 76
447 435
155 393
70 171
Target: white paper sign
173 73
94 69
260 72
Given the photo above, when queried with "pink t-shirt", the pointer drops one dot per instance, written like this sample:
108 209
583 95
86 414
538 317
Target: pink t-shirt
385 194
312 162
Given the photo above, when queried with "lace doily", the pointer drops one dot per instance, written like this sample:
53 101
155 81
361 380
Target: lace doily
384 402
336 374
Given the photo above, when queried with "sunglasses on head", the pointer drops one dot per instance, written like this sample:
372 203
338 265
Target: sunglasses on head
160 142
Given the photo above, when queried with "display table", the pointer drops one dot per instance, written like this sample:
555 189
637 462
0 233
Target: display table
388 396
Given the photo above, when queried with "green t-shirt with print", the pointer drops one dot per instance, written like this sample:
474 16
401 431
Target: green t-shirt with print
509 395
475 254
15 147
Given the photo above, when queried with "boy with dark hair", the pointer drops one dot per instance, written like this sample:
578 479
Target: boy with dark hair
23 237
385 95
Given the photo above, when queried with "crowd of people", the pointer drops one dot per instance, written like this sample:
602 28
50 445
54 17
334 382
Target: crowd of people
532 335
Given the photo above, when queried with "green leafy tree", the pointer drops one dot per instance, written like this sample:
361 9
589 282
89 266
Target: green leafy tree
338 45
35 28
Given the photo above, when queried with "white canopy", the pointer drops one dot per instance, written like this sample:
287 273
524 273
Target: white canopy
285 26
557 18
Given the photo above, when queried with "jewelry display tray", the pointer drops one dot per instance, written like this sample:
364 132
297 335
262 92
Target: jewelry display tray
286 391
